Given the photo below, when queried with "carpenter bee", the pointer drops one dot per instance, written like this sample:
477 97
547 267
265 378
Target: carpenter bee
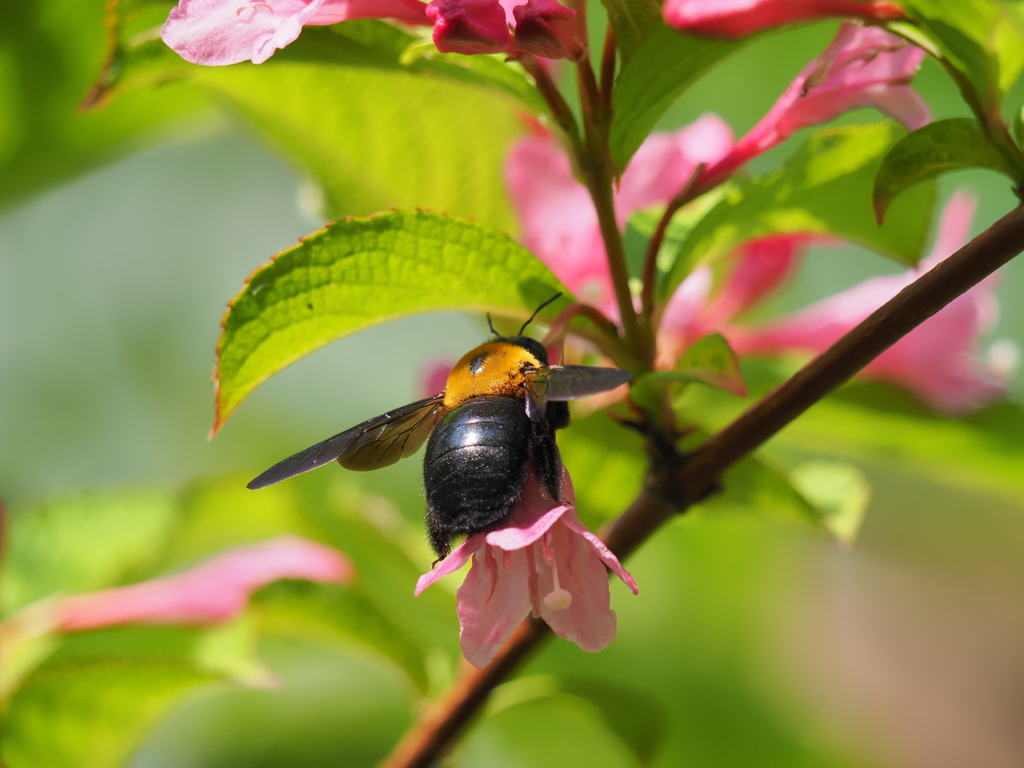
494 423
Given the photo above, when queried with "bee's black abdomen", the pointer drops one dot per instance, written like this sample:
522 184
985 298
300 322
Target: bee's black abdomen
475 467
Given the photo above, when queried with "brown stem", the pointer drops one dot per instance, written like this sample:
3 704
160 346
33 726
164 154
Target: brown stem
560 109
608 68
650 271
675 482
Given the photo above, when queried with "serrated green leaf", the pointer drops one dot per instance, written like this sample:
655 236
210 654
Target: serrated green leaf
632 21
660 70
929 152
840 490
824 187
81 543
340 616
91 711
977 40
358 273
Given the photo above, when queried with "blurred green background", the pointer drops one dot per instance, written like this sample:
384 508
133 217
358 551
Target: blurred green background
124 234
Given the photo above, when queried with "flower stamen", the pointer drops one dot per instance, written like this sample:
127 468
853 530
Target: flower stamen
557 599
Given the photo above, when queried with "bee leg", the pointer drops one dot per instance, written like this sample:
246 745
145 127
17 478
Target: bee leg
547 463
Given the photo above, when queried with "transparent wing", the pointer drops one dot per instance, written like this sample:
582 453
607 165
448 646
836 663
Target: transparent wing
568 382
375 443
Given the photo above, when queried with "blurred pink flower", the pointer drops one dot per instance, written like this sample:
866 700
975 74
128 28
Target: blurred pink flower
756 269
862 67
559 222
739 18
541 559
939 361
210 592
219 32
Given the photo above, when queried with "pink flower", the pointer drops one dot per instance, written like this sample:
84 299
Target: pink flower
542 559
739 18
211 592
559 221
756 269
862 67
939 361
469 26
219 32
546 28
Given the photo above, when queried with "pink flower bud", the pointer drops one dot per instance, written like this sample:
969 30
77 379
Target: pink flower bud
469 26
739 18
546 28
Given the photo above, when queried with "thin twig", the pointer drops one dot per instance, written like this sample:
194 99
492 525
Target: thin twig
608 54
650 269
675 482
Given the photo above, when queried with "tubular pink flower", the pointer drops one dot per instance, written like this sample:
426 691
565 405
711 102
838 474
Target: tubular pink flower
757 268
559 221
469 26
211 592
862 67
939 361
541 559
546 28
220 32
739 18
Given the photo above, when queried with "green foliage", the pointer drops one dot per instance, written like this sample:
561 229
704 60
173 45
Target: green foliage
839 490
978 40
709 360
929 152
81 543
632 21
824 187
92 711
49 55
361 272
659 71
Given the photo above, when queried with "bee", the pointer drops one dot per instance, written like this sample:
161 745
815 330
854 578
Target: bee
492 425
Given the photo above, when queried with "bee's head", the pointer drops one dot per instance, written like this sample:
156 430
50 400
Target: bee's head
532 346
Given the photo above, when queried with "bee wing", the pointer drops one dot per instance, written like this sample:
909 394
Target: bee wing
377 442
568 382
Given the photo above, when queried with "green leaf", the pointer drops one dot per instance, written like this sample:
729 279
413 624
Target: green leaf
92 711
710 360
660 70
632 714
339 616
49 54
880 424
632 21
1018 126
81 543
840 490
358 273
978 40
825 188
929 152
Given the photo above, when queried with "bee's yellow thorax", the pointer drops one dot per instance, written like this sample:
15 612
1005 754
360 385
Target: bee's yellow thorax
495 368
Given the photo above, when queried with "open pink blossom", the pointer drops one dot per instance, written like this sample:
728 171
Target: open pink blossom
541 559
862 67
211 592
939 361
558 217
220 32
739 18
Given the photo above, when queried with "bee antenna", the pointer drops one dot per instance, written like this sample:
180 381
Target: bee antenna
537 311
491 326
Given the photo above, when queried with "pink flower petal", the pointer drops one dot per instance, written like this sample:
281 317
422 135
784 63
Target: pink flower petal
492 601
220 32
533 515
546 28
211 592
860 68
458 558
572 522
739 18
588 621
469 26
